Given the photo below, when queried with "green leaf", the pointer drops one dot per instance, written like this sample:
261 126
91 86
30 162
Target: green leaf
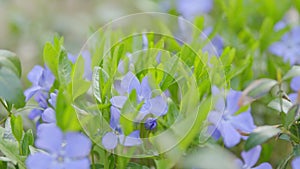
132 165
296 150
10 149
51 54
260 135
11 88
3 164
101 83
79 85
17 127
257 89
27 141
295 71
291 116
280 105
10 61
64 69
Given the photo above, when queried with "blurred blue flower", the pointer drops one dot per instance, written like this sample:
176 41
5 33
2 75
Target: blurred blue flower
151 105
189 9
150 124
225 124
288 47
42 80
111 139
295 86
62 150
250 158
88 73
217 44
296 163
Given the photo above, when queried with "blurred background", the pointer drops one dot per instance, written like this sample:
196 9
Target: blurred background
25 26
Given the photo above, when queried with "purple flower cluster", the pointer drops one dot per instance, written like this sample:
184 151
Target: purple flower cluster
42 80
288 47
250 158
151 106
225 123
61 150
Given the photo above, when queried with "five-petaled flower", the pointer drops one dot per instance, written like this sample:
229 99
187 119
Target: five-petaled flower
156 105
61 150
250 158
225 123
288 47
111 139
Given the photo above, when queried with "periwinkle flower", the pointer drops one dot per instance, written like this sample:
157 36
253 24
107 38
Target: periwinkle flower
150 124
156 106
111 139
216 44
295 86
87 63
62 150
250 158
42 80
226 124
288 47
192 8
296 163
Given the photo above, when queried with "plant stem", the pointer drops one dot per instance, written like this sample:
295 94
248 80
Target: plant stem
93 160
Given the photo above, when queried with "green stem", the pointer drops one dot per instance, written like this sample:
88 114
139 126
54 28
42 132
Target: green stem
3 120
93 160
106 161
20 148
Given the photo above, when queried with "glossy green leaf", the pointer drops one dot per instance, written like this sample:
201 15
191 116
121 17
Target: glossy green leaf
291 116
79 85
10 149
10 61
295 71
101 84
17 127
11 88
64 69
281 105
260 135
27 141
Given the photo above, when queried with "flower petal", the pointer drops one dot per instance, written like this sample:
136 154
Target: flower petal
214 117
48 116
159 106
296 163
243 122
130 82
50 138
35 113
110 140
146 90
31 91
132 139
118 101
78 164
232 101
264 166
295 83
38 161
114 117
293 97
230 135
77 145
35 74
251 157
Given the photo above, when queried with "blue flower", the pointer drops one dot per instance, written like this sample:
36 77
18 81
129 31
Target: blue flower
156 106
62 150
111 139
225 124
42 80
191 8
250 158
216 45
150 124
295 86
296 163
88 73
288 47
46 112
